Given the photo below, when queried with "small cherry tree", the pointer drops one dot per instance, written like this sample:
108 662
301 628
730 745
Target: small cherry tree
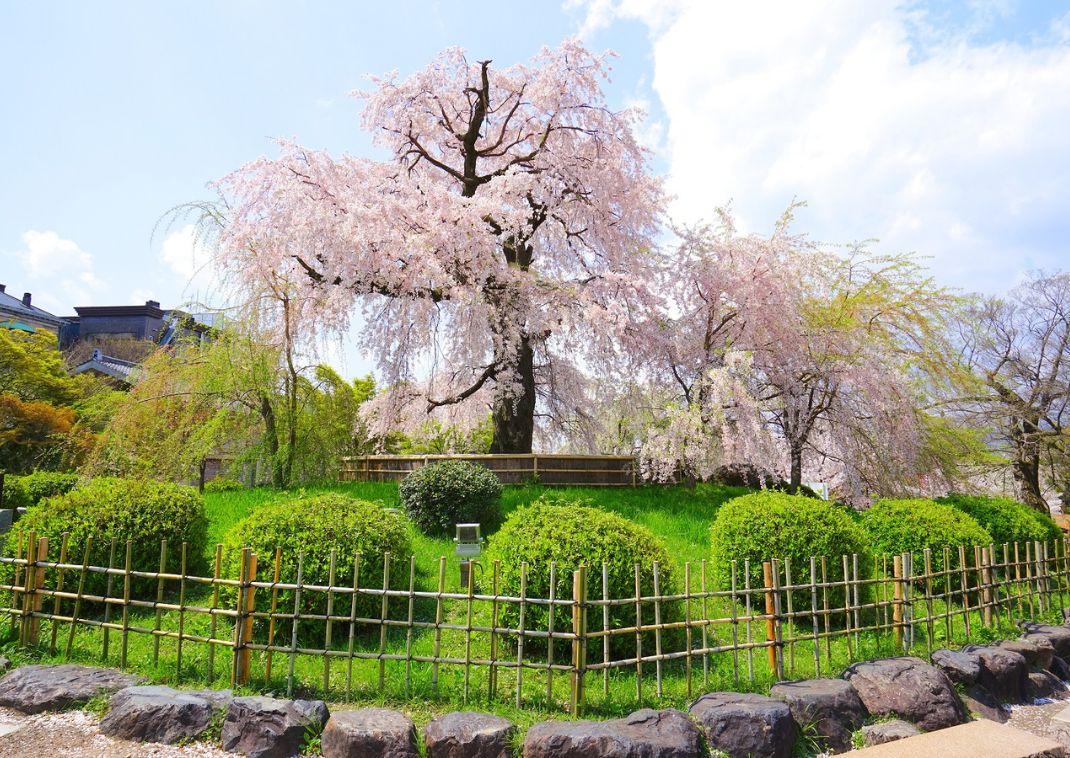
505 240
792 357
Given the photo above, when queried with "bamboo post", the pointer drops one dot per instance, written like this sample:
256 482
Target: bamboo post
778 630
520 632
492 676
770 613
39 584
550 634
247 618
159 599
438 620
329 626
16 600
29 586
687 626
579 637
293 628
657 631
947 594
908 605
732 604
384 614
353 622
239 626
790 616
897 600
814 624
605 628
274 609
214 618
929 599
825 608
748 614
409 627
857 602
78 596
638 639
965 591
986 588
470 592
59 588
847 606
181 610
125 645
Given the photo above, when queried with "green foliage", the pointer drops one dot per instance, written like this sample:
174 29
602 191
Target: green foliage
768 524
142 511
222 484
570 534
313 528
1006 520
901 526
29 490
440 495
435 438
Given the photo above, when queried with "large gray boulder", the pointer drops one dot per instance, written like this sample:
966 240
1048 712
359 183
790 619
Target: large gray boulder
909 688
887 731
984 705
1058 636
36 688
745 725
369 731
1043 684
644 734
161 714
467 734
263 727
961 668
830 706
1038 652
1004 673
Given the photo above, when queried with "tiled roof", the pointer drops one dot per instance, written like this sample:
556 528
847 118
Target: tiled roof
12 304
107 365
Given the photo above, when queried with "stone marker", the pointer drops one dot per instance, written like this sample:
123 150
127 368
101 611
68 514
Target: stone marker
162 714
830 706
467 734
909 688
644 734
746 725
263 727
369 731
34 689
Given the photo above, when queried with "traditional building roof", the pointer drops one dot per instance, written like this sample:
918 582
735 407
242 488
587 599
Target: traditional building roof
24 315
106 365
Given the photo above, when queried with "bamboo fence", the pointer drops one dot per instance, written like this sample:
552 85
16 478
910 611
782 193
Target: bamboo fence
553 469
799 619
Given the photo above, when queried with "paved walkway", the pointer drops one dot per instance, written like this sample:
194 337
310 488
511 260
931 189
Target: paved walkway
978 739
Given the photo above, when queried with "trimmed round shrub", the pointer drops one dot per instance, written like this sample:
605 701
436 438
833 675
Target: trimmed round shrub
912 526
1006 520
29 490
142 511
441 495
312 528
767 525
571 534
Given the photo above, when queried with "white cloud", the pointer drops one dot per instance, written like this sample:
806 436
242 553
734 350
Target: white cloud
888 124
185 252
60 271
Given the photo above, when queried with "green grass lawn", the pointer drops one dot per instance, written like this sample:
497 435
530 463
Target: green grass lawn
678 515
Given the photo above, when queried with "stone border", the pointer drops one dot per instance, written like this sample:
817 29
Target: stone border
903 694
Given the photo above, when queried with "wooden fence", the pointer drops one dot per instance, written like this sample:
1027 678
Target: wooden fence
546 468
401 629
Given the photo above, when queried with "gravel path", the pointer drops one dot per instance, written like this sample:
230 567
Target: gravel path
1040 719
74 734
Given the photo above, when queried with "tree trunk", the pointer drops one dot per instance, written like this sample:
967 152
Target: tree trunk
1027 466
795 480
271 435
514 418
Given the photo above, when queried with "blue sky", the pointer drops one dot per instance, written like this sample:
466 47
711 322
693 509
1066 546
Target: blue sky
937 127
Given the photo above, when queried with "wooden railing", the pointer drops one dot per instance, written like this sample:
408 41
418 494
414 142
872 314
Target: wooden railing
545 468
